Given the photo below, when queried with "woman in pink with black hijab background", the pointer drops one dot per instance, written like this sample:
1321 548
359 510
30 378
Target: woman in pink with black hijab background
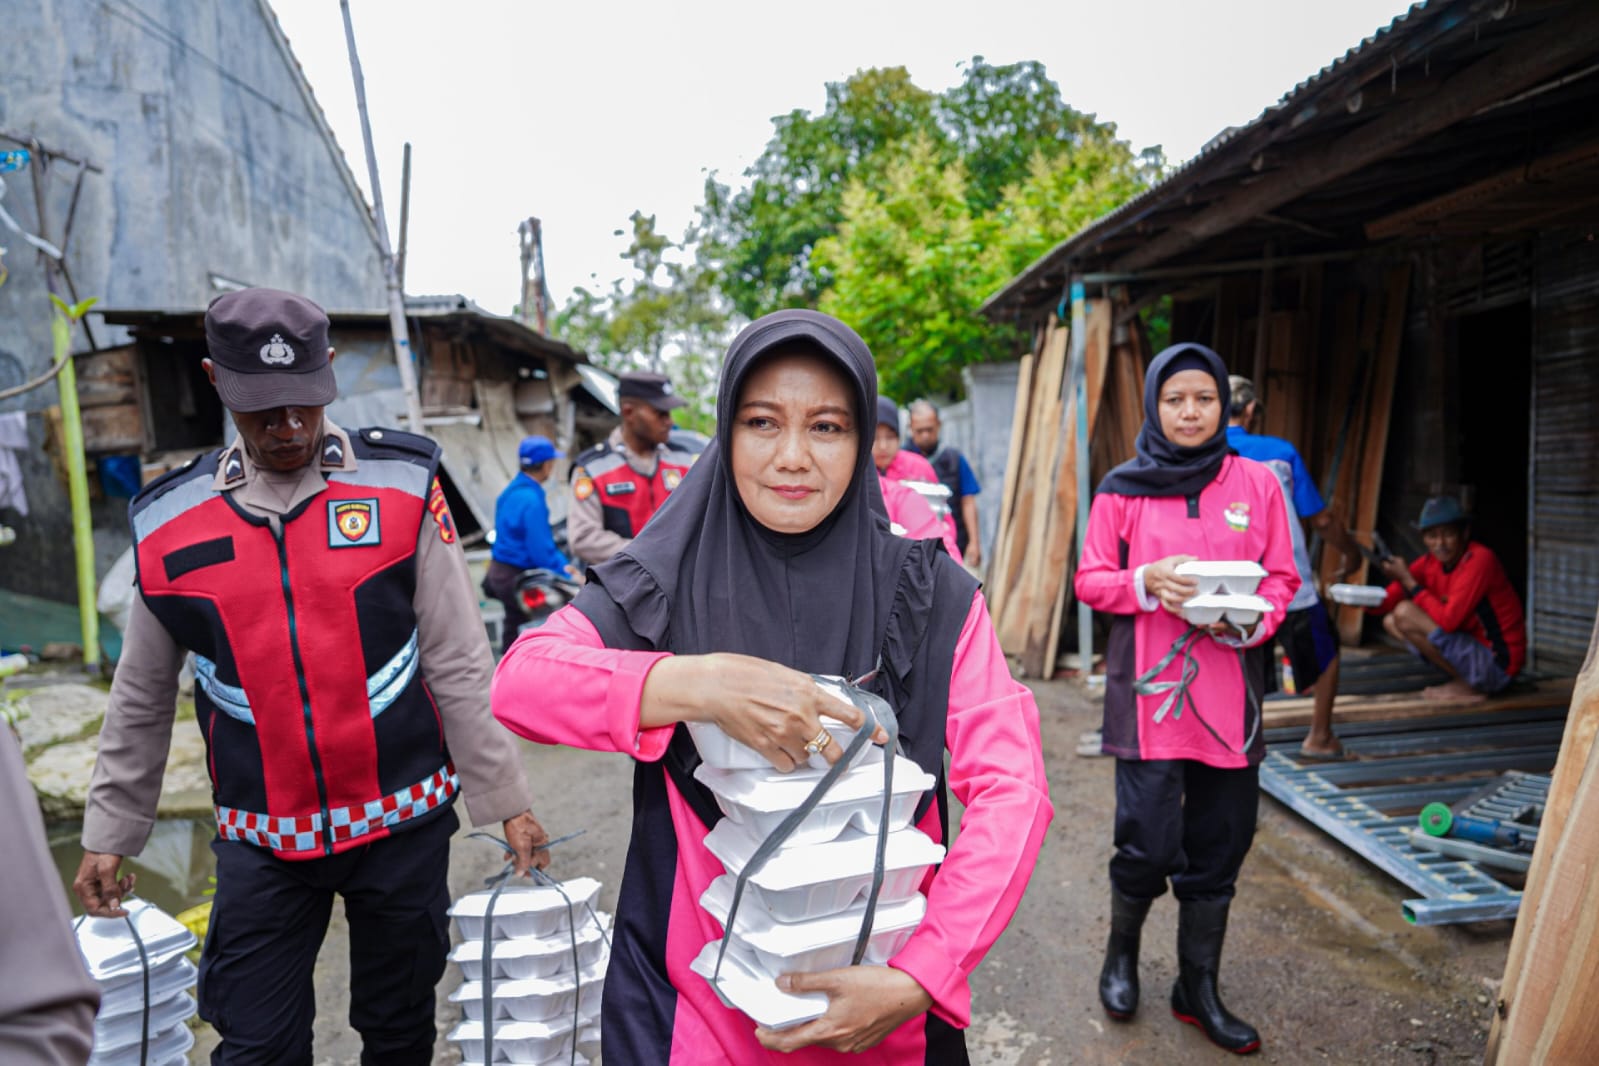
774 560
1182 703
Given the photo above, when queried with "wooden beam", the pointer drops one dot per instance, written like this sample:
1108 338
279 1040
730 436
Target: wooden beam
1423 217
1567 39
1403 706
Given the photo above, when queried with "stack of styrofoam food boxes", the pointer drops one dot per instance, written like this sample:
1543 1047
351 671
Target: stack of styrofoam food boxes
546 975
112 956
802 911
1226 591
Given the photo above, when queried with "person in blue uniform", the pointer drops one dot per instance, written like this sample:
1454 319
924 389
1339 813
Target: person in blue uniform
523 539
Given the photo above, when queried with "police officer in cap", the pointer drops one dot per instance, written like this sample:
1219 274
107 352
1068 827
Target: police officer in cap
342 687
618 484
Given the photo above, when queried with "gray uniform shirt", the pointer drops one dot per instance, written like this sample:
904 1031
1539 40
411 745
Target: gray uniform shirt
456 661
47 999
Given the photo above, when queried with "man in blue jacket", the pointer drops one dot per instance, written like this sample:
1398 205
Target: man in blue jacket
523 539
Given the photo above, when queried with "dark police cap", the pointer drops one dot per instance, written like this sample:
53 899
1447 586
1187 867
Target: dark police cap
653 389
269 349
1441 511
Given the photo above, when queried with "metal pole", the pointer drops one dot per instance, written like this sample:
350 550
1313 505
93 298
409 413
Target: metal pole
1085 614
402 339
405 217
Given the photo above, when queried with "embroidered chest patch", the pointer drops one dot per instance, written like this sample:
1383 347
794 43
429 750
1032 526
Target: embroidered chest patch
353 523
671 479
1237 515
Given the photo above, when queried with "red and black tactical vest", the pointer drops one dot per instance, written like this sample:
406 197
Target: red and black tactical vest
627 497
321 734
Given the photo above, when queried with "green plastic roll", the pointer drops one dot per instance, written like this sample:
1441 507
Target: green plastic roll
1436 818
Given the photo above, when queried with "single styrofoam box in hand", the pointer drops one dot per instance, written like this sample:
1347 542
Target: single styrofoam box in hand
741 987
126 1030
819 944
1242 611
820 879
170 1047
125 994
759 800
532 958
108 947
1238 577
536 999
525 909
1358 595
518 1042
573 1059
721 751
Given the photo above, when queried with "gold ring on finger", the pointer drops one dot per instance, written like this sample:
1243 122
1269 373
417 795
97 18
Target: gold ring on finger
820 741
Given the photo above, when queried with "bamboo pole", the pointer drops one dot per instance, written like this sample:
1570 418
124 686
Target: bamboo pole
77 487
1085 614
391 277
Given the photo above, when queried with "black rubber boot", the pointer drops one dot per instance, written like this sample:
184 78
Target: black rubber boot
1201 928
1118 978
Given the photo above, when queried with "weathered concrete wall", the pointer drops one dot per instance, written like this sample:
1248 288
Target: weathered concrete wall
214 161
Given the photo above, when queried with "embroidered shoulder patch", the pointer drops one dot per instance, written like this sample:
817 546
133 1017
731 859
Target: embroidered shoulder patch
439 508
582 485
353 523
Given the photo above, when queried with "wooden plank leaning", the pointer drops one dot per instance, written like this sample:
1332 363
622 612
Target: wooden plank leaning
1551 976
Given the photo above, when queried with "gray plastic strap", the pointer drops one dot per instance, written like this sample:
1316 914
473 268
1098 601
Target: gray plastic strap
1178 693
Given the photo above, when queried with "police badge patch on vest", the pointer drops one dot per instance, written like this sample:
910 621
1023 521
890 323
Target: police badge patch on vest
671 479
353 523
439 508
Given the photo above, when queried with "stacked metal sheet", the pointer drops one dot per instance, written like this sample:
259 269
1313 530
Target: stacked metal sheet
533 957
803 908
144 977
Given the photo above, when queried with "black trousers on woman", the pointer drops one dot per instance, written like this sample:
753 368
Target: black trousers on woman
1184 821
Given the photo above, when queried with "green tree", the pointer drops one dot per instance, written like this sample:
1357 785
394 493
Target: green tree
666 315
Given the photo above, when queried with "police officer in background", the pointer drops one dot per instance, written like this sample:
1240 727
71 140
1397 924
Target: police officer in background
342 687
618 484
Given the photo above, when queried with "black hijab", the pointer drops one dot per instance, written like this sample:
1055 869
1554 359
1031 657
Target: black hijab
1162 468
705 576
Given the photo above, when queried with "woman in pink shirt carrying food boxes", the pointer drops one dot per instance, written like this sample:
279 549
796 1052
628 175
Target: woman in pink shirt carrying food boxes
788 896
1188 549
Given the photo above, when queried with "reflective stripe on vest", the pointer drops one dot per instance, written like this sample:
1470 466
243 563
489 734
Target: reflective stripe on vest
382 688
304 835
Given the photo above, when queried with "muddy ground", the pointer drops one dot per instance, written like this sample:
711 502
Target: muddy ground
1318 958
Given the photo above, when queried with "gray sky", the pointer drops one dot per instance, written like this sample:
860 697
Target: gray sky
581 112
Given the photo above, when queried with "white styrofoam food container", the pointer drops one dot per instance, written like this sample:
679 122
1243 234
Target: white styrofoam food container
825 943
742 988
170 1047
532 958
820 879
1240 610
759 800
1358 595
124 1030
721 751
1238 577
518 1042
126 994
536 999
572 1059
527 910
108 947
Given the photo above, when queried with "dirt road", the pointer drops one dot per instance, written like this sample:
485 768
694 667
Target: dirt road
1319 957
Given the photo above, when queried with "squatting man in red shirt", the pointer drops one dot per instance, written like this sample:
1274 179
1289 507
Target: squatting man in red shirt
1456 608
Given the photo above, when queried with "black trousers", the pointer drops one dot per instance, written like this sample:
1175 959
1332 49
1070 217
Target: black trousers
1182 820
500 583
269 917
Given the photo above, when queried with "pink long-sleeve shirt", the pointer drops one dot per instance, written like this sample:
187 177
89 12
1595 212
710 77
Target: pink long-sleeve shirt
560 685
915 516
1239 515
909 465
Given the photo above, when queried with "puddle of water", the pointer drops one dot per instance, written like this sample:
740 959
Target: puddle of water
174 870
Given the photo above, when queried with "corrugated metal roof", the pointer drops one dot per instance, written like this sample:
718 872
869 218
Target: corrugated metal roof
1384 44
